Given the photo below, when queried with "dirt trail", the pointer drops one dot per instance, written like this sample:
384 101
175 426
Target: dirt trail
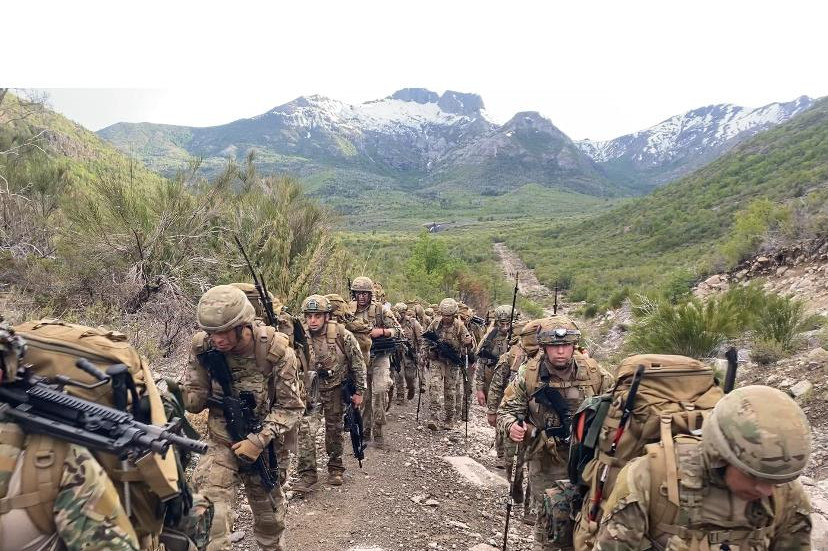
528 284
407 496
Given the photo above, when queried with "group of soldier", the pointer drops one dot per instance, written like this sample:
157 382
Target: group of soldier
365 352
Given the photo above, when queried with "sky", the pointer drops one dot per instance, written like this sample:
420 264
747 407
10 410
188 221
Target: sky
596 69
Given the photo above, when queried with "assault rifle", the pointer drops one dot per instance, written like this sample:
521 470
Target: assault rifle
239 413
258 282
447 351
466 391
40 406
386 345
512 316
552 399
555 306
477 320
732 356
353 421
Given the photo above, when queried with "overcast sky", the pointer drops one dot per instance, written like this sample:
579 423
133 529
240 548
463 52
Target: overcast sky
596 69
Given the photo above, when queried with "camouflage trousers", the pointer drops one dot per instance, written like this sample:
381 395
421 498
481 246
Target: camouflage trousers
442 383
217 478
544 472
514 467
458 391
379 380
332 408
405 378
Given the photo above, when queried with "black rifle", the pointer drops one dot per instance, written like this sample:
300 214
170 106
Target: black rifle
40 406
629 404
264 296
552 399
447 351
512 316
383 345
555 306
477 320
485 349
353 421
513 478
239 413
732 356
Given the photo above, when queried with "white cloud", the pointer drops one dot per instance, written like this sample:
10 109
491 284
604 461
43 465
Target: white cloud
598 69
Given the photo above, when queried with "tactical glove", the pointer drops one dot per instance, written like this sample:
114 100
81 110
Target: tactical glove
248 450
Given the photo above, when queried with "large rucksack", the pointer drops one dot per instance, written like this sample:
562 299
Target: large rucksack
675 395
53 347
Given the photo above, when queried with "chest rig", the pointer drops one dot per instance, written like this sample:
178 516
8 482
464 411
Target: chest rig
329 353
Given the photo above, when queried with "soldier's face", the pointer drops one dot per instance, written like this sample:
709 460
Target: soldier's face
226 341
746 486
503 327
315 320
559 355
447 320
363 298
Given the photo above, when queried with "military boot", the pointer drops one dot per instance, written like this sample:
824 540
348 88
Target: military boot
432 425
305 484
335 478
410 395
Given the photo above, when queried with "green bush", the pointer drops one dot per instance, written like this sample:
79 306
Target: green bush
780 319
689 329
767 351
591 311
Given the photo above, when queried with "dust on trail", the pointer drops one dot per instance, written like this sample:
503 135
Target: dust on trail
409 496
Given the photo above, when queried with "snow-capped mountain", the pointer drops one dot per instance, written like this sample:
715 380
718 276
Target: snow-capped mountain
412 139
684 142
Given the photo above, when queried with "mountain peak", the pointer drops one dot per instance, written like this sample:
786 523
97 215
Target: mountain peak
416 95
461 103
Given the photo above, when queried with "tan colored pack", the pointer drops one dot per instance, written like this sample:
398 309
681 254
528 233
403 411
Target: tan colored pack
675 395
53 348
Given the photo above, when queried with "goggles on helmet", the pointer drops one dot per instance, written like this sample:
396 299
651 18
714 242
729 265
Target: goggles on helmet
558 335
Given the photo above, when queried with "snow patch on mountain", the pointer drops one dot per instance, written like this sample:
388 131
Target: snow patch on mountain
701 128
415 113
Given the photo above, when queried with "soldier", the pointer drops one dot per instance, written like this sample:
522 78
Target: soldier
733 488
552 376
428 316
77 510
488 352
443 373
413 333
379 322
262 363
338 359
466 313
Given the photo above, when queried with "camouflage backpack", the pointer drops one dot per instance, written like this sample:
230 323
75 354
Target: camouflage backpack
675 395
156 485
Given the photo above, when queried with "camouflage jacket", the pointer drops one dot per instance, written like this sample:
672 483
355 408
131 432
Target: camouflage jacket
497 346
585 379
455 335
337 357
268 369
363 321
413 331
707 510
88 514
504 372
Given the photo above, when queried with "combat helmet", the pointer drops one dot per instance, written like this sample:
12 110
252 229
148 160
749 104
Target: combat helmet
379 292
557 330
761 431
362 284
222 308
503 313
448 307
401 308
316 304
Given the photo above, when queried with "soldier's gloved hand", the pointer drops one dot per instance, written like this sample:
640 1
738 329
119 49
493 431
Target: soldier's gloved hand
357 399
517 433
481 398
467 340
377 332
247 449
492 419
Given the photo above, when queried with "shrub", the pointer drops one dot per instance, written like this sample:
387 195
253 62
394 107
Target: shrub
591 311
780 319
689 329
767 351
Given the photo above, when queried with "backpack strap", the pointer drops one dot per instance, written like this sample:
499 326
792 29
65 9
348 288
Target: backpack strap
263 335
40 480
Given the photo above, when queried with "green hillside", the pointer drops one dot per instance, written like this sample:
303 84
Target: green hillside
677 232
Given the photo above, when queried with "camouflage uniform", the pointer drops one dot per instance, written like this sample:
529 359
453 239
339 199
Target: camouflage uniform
338 358
681 499
476 331
443 374
267 367
547 455
409 370
493 344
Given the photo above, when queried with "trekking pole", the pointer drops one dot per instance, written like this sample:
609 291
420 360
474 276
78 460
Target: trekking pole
466 393
629 403
512 480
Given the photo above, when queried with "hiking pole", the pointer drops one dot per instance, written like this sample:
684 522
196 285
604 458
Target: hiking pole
629 403
466 393
512 480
